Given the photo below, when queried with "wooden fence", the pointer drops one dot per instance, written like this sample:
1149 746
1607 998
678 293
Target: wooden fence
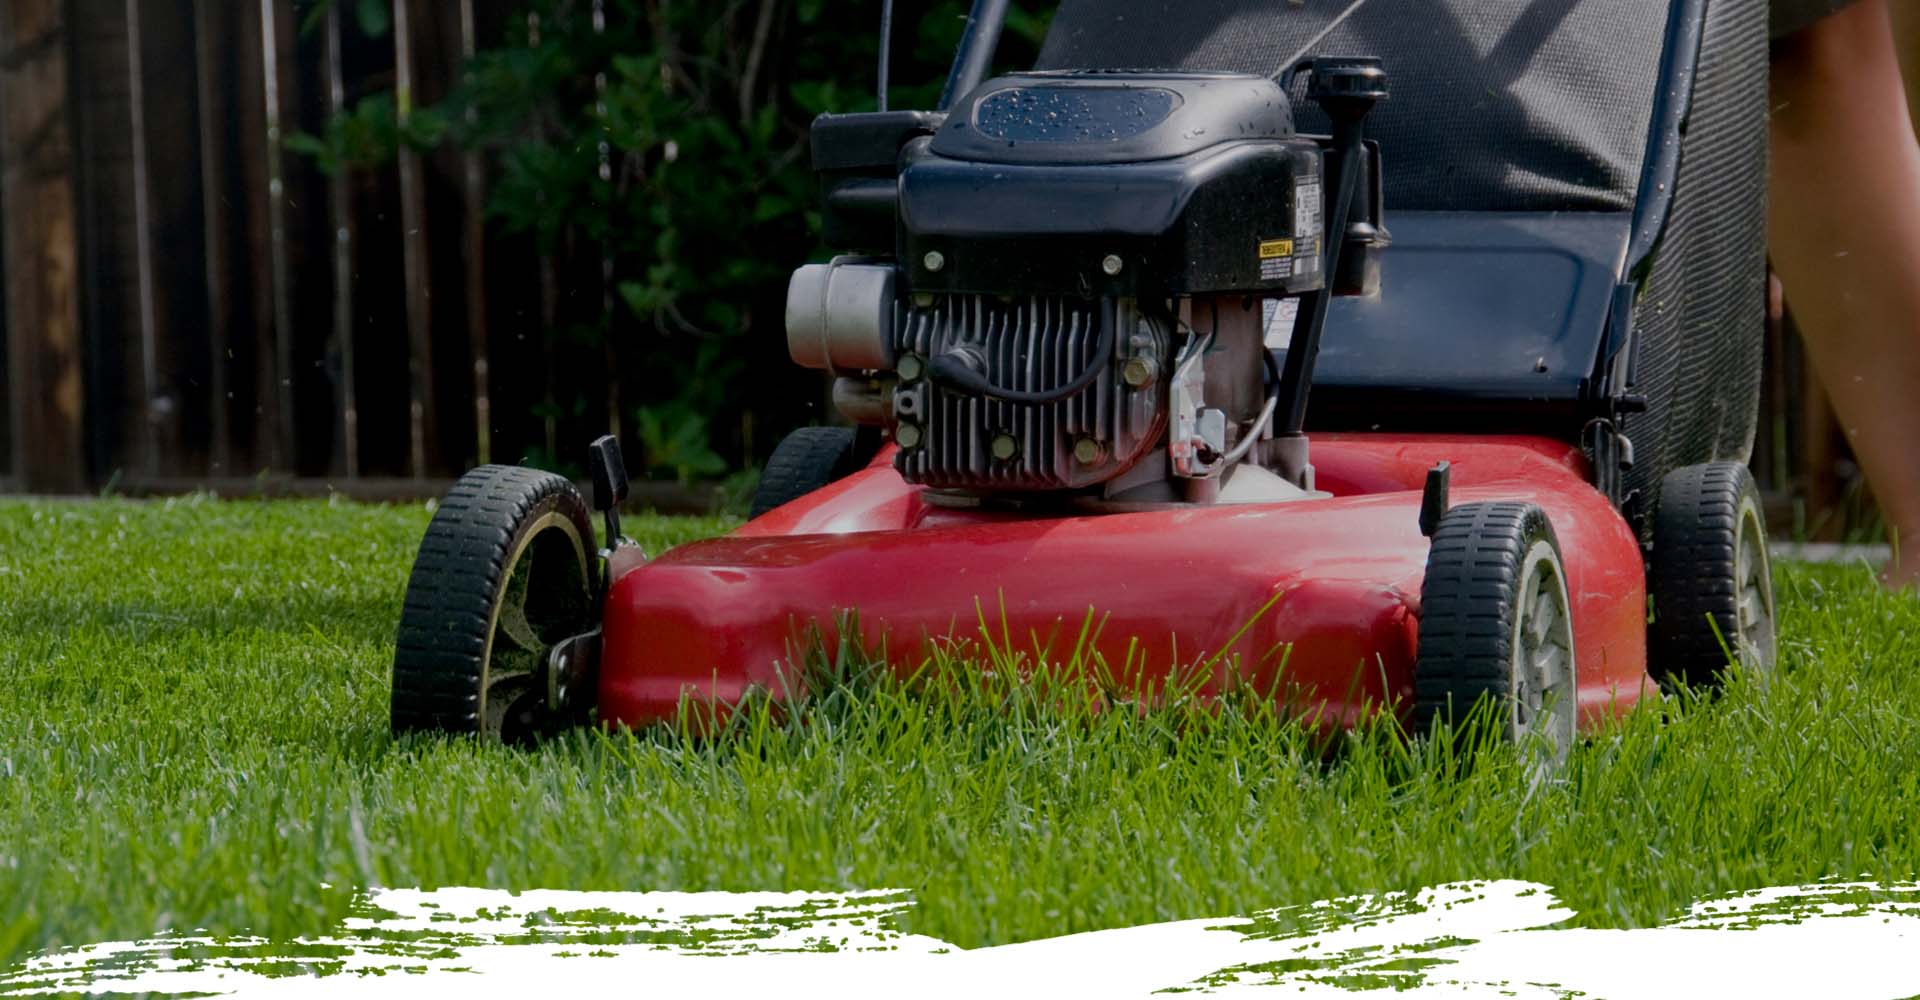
188 304
191 304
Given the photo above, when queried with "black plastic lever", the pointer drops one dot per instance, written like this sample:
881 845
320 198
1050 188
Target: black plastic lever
609 483
1433 499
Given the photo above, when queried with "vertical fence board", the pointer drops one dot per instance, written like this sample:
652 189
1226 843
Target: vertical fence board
276 370
212 36
45 386
454 209
340 210
175 216
473 194
252 344
549 315
154 409
108 236
413 222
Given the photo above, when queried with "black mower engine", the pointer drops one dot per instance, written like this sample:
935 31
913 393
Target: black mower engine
1074 282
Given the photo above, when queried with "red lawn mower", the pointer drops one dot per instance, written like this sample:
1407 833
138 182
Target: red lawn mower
1074 323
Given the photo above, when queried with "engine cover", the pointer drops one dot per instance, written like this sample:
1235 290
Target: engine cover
975 443
1112 184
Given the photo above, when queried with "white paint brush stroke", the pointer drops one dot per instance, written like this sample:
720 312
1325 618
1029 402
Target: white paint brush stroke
1490 939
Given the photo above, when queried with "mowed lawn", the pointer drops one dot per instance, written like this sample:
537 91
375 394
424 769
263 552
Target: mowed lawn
193 734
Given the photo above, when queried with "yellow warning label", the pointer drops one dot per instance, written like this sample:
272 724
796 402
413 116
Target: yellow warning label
1270 249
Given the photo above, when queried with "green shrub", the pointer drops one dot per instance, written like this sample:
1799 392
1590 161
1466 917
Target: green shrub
670 140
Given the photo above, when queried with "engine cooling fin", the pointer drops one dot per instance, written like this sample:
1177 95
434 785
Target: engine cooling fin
1027 344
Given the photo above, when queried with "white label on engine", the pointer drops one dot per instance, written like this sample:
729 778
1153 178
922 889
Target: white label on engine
1277 320
1306 209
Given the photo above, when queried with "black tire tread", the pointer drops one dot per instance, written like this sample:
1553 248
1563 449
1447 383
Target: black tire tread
802 462
1467 603
1691 573
441 644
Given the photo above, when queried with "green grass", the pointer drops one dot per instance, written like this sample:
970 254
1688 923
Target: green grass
193 735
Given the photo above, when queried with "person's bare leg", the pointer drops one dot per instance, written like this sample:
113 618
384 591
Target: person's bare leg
1844 200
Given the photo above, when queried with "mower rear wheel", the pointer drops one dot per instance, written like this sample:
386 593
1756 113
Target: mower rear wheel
804 461
502 576
1709 576
1496 628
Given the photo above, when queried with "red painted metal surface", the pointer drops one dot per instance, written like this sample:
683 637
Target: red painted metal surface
1316 600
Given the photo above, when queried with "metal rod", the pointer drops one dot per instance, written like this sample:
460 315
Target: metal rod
413 250
610 359
886 48
340 209
974 55
473 189
213 225
281 392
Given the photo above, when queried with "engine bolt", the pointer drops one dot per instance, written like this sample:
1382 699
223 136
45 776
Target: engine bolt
909 368
907 435
1005 447
1112 264
1087 451
934 260
1139 371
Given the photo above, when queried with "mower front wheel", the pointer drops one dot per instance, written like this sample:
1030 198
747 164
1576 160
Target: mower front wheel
504 574
1496 629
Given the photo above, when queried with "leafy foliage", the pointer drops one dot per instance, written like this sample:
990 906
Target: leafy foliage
373 17
369 132
669 140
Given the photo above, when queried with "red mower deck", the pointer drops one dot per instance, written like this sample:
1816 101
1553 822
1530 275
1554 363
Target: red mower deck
1323 595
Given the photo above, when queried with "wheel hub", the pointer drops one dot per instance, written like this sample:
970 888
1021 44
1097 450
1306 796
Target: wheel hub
1753 606
1543 697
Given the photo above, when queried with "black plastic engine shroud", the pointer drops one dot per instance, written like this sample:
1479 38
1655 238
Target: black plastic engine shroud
1038 183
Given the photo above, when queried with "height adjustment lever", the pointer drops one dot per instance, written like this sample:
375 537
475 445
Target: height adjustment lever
609 483
1433 499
